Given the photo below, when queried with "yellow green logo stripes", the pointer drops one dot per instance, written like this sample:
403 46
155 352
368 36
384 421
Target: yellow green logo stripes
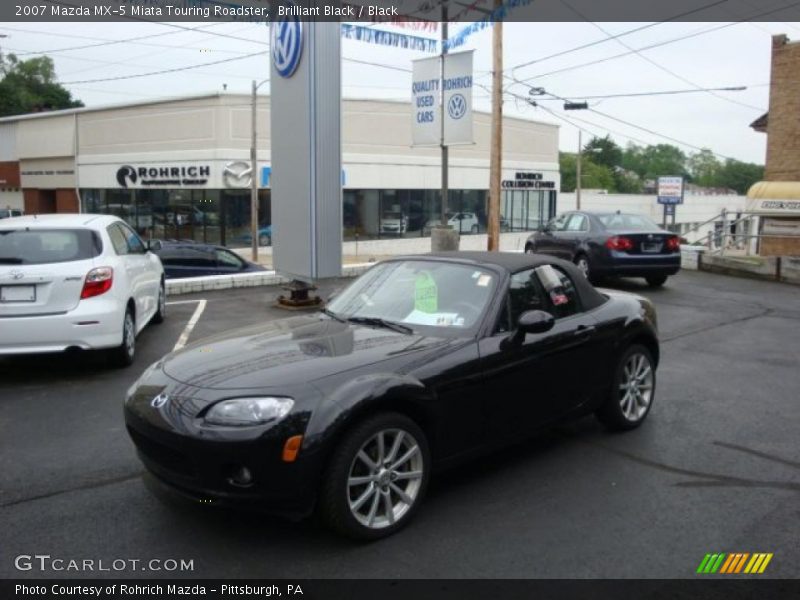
736 562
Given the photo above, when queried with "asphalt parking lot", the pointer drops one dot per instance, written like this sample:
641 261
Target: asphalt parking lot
716 468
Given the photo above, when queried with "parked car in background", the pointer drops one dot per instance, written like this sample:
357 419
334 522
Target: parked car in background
606 244
394 222
462 222
76 281
264 236
6 213
192 259
420 363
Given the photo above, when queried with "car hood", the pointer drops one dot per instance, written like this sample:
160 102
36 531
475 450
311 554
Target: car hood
289 352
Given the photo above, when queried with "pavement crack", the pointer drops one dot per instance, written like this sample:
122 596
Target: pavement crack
677 336
86 486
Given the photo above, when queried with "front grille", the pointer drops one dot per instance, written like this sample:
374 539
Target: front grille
162 455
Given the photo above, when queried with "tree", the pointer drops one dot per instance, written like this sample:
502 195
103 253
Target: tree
739 175
705 169
593 176
633 159
31 86
664 159
604 151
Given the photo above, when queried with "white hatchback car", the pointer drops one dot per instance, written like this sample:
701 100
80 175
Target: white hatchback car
76 281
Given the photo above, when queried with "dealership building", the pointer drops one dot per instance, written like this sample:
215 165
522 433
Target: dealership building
180 168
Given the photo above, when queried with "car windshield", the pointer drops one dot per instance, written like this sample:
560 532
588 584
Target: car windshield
35 247
435 297
628 222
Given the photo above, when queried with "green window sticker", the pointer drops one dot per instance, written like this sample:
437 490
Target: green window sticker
426 294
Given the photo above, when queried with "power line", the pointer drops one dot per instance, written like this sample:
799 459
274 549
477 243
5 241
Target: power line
637 94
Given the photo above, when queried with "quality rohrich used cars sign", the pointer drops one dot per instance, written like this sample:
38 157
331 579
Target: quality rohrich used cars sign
436 95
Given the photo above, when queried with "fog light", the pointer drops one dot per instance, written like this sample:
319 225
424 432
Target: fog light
241 477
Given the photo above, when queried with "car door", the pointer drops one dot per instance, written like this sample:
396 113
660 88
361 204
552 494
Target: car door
575 231
538 378
546 240
150 270
134 263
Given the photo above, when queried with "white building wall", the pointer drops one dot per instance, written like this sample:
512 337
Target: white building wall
8 142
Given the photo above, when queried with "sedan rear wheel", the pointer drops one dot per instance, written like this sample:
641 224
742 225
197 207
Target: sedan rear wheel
633 390
377 478
582 262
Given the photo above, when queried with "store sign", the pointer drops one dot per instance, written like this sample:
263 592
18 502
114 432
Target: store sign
670 190
167 176
524 180
457 89
426 129
236 174
287 45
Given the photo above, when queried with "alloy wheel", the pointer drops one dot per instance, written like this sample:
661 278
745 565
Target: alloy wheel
636 387
129 335
583 264
385 478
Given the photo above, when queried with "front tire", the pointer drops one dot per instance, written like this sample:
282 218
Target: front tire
632 392
656 280
377 477
582 262
264 240
161 307
124 354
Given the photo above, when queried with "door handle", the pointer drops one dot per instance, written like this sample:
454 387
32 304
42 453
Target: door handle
584 331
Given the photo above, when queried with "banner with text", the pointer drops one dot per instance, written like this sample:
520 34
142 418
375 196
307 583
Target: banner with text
426 129
457 90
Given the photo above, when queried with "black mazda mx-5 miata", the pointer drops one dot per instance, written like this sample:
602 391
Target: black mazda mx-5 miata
421 362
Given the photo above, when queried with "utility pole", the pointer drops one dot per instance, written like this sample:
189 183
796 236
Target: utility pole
578 173
495 165
445 153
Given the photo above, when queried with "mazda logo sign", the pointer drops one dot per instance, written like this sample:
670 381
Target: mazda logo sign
159 401
286 39
237 174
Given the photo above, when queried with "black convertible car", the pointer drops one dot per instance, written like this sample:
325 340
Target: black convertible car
610 244
420 363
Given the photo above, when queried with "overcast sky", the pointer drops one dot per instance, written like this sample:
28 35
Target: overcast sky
720 55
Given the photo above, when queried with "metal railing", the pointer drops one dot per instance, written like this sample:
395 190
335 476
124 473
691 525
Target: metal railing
731 234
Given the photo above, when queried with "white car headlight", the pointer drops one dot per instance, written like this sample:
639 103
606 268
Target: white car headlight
248 411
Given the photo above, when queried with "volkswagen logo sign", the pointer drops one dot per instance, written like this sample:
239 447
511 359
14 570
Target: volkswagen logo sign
159 401
286 41
457 106
16 274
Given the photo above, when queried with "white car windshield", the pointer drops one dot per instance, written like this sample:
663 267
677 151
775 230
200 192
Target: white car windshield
419 294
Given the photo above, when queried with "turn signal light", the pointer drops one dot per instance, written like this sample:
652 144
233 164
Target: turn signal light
291 448
98 281
674 243
619 242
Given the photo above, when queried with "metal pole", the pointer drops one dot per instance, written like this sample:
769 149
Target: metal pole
495 162
254 178
578 173
445 153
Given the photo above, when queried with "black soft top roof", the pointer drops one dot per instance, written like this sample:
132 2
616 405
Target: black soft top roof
513 262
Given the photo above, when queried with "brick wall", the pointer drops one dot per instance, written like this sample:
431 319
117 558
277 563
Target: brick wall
783 134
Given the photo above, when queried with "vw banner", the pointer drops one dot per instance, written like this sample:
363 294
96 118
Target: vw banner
457 88
426 129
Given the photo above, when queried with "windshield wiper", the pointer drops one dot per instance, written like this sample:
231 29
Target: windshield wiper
378 322
10 260
333 315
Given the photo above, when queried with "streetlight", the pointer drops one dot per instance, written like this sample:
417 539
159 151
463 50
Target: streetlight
254 173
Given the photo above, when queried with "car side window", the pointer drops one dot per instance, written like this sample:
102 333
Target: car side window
559 223
133 242
563 301
118 240
225 258
578 223
524 293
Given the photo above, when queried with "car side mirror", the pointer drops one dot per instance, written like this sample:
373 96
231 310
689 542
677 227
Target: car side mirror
535 321
152 245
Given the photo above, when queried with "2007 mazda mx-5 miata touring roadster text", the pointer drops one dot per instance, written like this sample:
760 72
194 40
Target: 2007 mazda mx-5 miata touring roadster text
420 363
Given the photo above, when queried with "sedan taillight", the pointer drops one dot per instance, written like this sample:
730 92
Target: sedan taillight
619 242
674 243
98 281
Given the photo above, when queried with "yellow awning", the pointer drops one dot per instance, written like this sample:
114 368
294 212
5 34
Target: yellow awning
775 198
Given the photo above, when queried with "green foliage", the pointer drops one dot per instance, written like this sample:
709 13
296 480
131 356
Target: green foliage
31 86
604 151
740 175
593 176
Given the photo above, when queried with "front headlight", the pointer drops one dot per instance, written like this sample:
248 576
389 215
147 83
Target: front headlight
248 411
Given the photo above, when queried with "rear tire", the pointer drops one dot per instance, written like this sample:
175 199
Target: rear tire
161 308
373 497
124 354
633 391
656 280
529 249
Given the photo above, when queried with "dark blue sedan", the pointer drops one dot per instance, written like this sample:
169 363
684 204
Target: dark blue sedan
605 244
191 259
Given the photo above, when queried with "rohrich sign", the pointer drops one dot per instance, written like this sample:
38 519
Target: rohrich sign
524 180
162 175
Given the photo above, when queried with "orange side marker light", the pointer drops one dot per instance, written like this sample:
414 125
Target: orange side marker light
291 448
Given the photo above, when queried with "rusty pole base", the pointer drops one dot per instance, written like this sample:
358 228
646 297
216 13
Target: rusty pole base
299 297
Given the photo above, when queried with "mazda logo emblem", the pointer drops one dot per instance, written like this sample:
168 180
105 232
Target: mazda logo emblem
287 45
17 274
159 401
457 106
237 174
